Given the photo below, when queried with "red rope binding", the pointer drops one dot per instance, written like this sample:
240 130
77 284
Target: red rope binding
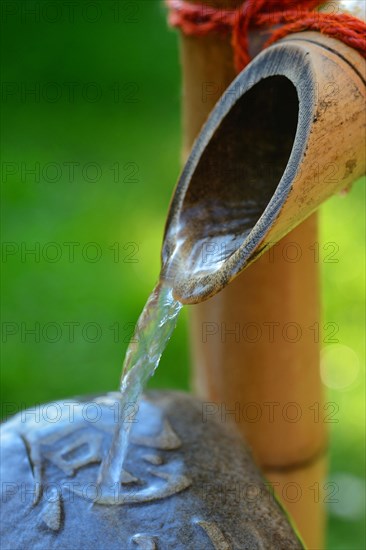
199 20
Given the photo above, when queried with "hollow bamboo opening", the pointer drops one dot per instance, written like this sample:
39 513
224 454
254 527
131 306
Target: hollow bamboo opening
239 171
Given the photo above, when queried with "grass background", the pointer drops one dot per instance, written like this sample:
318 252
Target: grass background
125 112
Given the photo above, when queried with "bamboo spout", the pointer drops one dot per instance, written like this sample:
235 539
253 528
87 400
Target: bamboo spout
285 136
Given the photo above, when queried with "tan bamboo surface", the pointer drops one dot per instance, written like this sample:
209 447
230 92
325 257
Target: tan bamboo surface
273 383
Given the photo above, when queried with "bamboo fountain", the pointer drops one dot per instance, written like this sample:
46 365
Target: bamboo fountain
248 194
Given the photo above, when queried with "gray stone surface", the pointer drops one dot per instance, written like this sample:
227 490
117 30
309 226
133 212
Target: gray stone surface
189 483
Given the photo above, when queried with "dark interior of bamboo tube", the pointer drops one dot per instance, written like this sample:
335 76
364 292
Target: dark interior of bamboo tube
236 175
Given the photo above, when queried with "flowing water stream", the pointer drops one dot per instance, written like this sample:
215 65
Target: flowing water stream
152 332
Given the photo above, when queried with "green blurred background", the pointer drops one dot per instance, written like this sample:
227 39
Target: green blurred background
102 133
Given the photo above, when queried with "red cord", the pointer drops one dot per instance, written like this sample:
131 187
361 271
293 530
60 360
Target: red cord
199 20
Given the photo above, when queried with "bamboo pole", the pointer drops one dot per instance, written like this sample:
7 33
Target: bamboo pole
277 376
270 381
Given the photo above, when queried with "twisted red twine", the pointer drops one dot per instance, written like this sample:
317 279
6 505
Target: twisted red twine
199 20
